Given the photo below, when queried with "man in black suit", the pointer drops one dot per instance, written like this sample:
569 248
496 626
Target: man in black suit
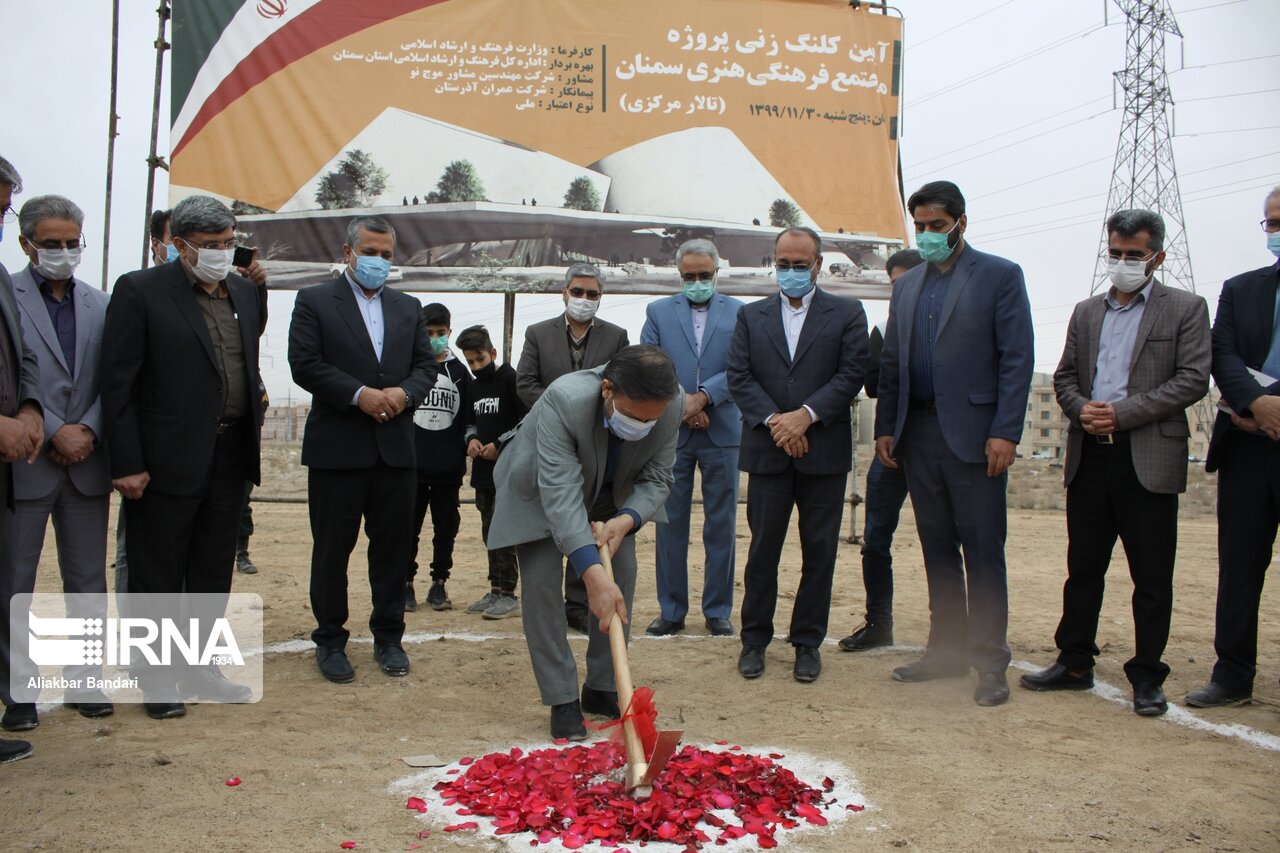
21 421
358 347
569 342
1245 451
179 407
795 364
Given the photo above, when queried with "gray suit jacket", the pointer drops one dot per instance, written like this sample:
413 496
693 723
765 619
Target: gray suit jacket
70 390
550 473
1169 372
28 366
545 357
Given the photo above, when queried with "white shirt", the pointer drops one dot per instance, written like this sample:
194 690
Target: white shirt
793 319
699 314
371 313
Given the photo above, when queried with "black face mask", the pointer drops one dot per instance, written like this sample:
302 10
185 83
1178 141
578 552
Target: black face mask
487 371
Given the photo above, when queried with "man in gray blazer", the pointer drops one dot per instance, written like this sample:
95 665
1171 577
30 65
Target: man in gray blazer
954 378
62 319
1136 357
597 446
21 422
574 340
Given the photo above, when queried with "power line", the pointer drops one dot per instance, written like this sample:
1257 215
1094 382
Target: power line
990 151
1225 62
950 30
1220 97
919 163
1237 130
1214 6
1008 64
1024 182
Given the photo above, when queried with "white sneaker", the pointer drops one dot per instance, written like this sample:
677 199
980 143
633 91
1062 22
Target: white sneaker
503 606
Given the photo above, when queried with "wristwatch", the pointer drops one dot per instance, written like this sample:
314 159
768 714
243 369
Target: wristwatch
408 401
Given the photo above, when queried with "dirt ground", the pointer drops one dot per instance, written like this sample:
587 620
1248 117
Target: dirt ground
1044 772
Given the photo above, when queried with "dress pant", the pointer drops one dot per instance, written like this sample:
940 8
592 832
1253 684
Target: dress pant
503 571
339 498
1248 512
186 543
1104 501
545 628
719 527
80 535
819 499
442 500
886 492
957 506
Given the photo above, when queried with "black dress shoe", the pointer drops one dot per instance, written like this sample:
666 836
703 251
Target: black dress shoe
993 689
929 669
207 683
567 723
20 717
92 705
718 626
1214 695
663 627
1148 700
603 703
808 664
1057 677
577 620
334 665
751 662
870 635
13 750
164 710
391 659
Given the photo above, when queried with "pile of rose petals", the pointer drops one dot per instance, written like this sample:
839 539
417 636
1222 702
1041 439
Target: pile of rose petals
570 795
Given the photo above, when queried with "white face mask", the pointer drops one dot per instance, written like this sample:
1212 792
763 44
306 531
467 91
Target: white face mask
1128 276
213 264
628 428
57 264
582 310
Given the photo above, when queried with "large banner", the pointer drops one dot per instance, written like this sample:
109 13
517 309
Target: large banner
536 132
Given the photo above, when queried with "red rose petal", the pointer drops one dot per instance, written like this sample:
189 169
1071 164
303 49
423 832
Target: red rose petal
348 845
465 761
417 804
855 808
233 781
470 824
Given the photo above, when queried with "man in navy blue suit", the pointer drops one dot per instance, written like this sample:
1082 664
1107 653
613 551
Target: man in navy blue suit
1245 451
694 327
796 362
954 378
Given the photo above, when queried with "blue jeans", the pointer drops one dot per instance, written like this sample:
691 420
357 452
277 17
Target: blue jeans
886 492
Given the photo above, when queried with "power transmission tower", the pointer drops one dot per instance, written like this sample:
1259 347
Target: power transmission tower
1144 174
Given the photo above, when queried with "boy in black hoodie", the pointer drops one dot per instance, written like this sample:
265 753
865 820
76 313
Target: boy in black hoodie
496 412
439 424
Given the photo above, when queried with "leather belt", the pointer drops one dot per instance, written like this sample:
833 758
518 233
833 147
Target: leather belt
1112 438
227 426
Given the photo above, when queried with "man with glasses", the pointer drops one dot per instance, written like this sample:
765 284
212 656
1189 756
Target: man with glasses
572 341
795 364
694 327
1245 451
1136 357
21 419
954 379
182 421
62 319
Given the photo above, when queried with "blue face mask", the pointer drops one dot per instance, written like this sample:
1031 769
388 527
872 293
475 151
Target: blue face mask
171 253
935 247
371 271
439 345
794 283
1273 243
698 292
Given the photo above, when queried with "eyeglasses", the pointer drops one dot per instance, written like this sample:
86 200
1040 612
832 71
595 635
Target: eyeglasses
1117 255
697 276
54 245
583 293
1271 226
783 266
8 215
213 244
